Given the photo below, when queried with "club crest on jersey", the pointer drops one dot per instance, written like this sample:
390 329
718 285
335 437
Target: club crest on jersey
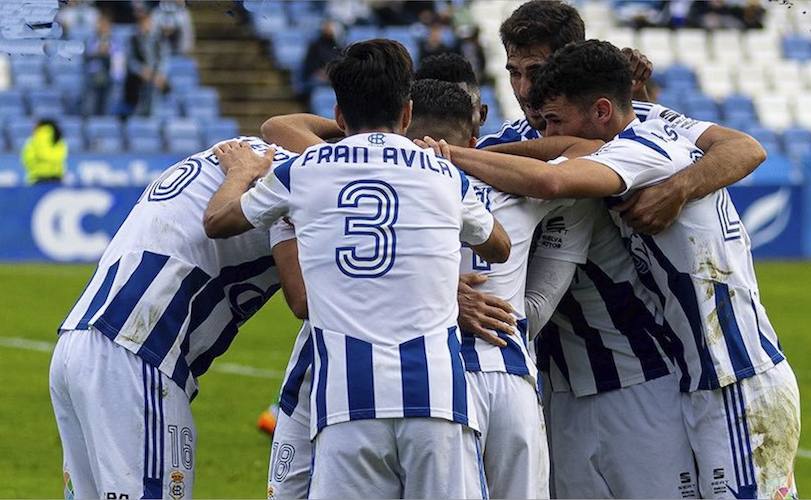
377 139
177 488
69 493
639 254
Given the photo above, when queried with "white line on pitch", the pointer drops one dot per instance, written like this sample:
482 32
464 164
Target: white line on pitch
803 453
230 368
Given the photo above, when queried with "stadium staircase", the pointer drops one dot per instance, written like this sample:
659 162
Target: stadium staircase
234 61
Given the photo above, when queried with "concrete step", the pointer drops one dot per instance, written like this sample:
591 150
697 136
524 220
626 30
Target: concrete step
244 77
236 60
240 92
266 107
218 46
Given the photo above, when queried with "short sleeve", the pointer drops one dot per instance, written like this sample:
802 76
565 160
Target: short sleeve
638 160
281 231
565 233
268 200
477 222
684 125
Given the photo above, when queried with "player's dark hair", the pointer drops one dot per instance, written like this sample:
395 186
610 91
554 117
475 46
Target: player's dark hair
447 67
372 82
442 110
583 72
542 22
50 123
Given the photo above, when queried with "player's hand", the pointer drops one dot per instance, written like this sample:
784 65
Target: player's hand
641 69
653 209
237 157
480 314
441 148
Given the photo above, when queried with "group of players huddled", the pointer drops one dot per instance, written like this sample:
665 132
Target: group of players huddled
567 307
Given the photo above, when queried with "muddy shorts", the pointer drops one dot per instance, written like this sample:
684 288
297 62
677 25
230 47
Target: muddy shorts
745 436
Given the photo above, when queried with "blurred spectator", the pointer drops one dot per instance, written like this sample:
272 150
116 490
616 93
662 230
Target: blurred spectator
147 61
44 154
400 13
433 44
321 51
349 12
78 18
98 61
173 19
471 49
722 14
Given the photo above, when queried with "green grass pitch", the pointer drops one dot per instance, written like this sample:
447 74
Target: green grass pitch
231 460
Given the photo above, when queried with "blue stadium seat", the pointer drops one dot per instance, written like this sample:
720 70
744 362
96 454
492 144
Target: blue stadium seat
28 64
678 77
145 144
29 80
767 138
142 126
203 102
181 128
11 104
671 99
362 32
224 128
797 143
322 101
103 134
46 96
185 145
71 127
58 67
18 131
488 95
290 45
797 47
738 108
701 107
267 25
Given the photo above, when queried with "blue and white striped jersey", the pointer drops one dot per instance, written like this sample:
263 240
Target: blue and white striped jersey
605 333
378 223
507 281
521 130
700 268
164 290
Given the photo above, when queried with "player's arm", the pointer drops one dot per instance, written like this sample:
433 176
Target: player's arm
225 215
496 249
534 178
578 178
285 254
641 70
547 282
299 131
729 156
481 313
548 148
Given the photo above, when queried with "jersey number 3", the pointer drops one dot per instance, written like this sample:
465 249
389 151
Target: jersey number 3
379 225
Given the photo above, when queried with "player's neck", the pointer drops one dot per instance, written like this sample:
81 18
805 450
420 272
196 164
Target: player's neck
370 130
619 123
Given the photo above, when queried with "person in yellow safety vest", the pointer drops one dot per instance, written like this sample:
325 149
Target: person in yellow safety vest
44 153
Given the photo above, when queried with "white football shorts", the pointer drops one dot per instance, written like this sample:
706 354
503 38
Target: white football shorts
745 435
397 458
511 425
127 430
626 443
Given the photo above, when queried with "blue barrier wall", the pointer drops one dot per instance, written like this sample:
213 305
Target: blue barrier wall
74 224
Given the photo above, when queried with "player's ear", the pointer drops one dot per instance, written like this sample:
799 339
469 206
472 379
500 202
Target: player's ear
339 118
603 110
483 109
406 119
